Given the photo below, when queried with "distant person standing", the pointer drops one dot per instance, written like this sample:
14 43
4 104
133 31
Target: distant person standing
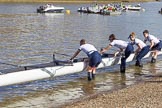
142 48
155 44
93 55
124 46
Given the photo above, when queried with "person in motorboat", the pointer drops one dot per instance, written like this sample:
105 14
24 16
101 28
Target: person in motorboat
160 11
142 48
93 56
125 47
155 44
138 5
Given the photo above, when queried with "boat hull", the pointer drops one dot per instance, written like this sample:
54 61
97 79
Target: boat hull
51 70
50 11
111 13
134 9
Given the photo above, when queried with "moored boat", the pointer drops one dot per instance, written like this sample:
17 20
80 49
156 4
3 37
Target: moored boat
50 8
55 68
110 12
93 9
82 9
132 8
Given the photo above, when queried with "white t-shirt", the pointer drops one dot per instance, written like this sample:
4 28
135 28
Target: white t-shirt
87 48
119 44
138 41
152 38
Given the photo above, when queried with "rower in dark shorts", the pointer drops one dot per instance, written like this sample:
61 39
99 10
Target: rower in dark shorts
124 46
155 44
93 55
142 48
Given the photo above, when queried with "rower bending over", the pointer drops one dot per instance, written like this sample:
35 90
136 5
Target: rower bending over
122 45
142 48
93 55
155 44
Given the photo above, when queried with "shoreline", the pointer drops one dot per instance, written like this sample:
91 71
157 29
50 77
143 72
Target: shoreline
145 94
73 1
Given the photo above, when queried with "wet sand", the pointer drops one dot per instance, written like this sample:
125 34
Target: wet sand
146 94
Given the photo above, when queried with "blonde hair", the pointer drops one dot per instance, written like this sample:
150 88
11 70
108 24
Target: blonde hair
133 35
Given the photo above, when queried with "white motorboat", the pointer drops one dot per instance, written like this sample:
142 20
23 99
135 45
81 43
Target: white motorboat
132 8
55 68
110 12
95 9
50 8
82 9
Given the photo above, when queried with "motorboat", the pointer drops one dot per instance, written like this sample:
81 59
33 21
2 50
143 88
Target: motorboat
50 8
82 9
111 10
95 9
107 12
55 68
132 8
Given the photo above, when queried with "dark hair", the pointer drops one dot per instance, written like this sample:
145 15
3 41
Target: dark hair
145 31
82 41
112 36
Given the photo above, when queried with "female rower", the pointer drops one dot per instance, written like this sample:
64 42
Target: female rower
122 45
93 55
155 44
142 48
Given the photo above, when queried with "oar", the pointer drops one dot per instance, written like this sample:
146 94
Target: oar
110 49
25 67
10 64
62 54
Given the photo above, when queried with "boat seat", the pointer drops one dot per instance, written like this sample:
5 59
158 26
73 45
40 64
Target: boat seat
105 55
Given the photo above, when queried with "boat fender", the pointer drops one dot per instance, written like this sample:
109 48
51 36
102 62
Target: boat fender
68 12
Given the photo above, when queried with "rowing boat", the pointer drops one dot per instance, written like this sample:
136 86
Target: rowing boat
132 8
55 68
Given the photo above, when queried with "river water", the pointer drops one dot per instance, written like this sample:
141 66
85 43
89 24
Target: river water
27 37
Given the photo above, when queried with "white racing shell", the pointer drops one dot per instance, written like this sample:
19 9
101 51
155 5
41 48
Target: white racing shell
53 71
